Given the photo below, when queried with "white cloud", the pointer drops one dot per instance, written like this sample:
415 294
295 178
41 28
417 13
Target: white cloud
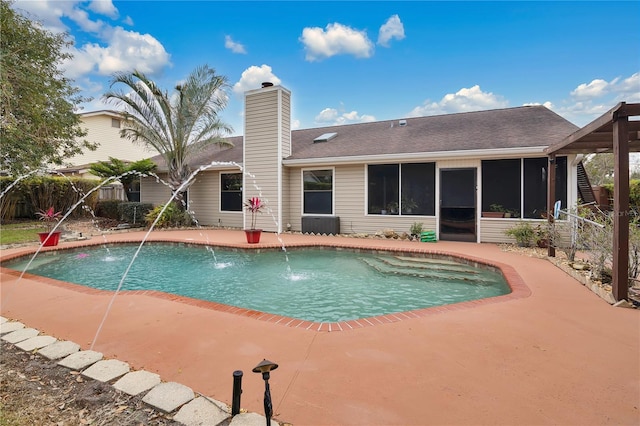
331 116
589 101
336 40
392 29
51 12
596 89
295 124
47 12
253 77
114 49
125 51
104 7
235 47
629 89
81 17
82 63
128 21
547 104
464 100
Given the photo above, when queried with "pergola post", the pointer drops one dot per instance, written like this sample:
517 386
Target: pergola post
620 284
551 195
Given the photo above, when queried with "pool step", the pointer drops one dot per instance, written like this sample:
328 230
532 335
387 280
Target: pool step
435 264
427 274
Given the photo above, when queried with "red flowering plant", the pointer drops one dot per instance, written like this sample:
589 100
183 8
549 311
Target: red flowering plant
49 216
254 205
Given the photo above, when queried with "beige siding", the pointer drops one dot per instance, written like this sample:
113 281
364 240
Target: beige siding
203 197
492 230
204 201
101 132
154 192
286 126
458 163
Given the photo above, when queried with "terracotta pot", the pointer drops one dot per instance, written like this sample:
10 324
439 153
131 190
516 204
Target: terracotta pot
49 239
253 235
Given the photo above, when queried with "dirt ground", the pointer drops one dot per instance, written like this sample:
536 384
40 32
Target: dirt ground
36 391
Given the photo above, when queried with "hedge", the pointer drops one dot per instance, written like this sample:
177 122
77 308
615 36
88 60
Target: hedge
32 194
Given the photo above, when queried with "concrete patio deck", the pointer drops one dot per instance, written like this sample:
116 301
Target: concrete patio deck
550 353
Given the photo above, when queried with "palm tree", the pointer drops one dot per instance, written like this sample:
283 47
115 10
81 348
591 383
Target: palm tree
176 126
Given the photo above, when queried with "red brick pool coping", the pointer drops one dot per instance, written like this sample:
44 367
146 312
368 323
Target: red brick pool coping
518 288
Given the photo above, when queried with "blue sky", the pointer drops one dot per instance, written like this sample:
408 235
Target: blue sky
350 62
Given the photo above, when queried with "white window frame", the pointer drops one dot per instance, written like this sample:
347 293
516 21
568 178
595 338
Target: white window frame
333 190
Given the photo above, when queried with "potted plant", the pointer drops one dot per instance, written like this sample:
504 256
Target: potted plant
416 229
253 205
49 216
408 204
392 207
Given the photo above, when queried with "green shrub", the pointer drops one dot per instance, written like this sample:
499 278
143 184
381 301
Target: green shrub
634 192
523 233
108 209
133 212
37 193
173 216
416 228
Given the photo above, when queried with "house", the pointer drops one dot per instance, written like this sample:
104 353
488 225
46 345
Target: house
103 129
447 172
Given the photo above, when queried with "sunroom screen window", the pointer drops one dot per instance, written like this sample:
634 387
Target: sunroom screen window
384 185
535 185
318 191
418 189
231 192
501 186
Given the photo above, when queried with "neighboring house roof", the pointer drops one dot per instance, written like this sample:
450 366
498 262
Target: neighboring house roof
533 127
108 112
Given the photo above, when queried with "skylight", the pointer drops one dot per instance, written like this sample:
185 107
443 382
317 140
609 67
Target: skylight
325 137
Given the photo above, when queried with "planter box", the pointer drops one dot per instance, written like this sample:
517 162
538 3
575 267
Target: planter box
493 214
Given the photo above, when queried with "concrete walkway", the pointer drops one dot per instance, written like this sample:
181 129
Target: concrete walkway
554 353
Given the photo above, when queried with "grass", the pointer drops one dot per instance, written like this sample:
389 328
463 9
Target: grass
23 232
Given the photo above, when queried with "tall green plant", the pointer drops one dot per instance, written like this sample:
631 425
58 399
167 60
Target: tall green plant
39 121
127 173
176 125
39 193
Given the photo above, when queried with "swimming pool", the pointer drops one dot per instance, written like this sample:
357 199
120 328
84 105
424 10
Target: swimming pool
318 285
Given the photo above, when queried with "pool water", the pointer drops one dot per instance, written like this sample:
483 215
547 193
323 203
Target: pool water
321 285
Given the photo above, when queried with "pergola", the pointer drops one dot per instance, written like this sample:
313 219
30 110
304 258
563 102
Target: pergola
612 132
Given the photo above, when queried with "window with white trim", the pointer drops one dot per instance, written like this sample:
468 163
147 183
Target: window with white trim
317 191
231 192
